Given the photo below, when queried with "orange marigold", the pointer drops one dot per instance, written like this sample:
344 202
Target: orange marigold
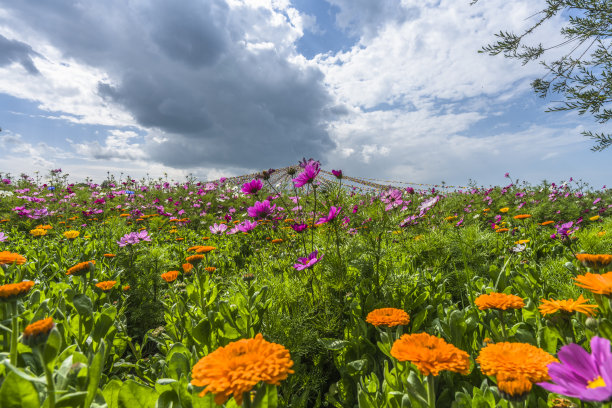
109 255
430 354
187 267
596 283
81 268
12 291
502 230
71 234
170 276
9 258
504 210
205 249
210 269
37 332
276 241
126 288
239 366
546 222
194 259
522 216
518 359
106 285
388 316
513 386
500 301
38 232
570 306
594 261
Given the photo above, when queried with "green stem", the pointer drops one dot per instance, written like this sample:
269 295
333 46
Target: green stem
503 324
246 399
49 377
14 333
314 217
431 392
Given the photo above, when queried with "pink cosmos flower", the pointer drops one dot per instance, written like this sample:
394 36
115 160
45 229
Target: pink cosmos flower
307 262
311 171
246 226
217 228
261 209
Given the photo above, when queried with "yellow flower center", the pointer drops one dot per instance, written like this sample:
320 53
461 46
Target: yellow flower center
596 383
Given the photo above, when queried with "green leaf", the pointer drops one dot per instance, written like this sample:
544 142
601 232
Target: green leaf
333 344
83 305
111 393
207 401
52 347
177 366
16 392
105 321
94 374
202 331
266 397
134 395
74 399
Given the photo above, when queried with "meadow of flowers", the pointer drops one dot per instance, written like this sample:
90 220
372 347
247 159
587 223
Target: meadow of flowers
256 293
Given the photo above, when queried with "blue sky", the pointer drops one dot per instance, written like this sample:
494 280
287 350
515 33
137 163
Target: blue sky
390 90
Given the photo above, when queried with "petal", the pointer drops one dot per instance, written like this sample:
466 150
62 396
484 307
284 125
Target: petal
600 349
577 359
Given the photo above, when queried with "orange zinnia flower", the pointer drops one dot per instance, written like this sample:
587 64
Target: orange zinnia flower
81 268
12 291
596 283
502 230
522 216
194 259
210 269
594 261
388 316
546 222
9 258
205 249
500 301
239 366
509 360
430 354
105 286
187 267
37 332
170 276
570 306
109 255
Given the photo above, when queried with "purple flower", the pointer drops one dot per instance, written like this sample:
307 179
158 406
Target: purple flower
133 238
580 374
427 204
507 175
2 237
337 173
311 171
252 187
333 213
410 190
308 262
217 228
299 227
247 226
261 209
393 199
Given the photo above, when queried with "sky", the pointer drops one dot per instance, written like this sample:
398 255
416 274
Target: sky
390 90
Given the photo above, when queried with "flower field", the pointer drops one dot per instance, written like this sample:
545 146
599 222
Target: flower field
310 293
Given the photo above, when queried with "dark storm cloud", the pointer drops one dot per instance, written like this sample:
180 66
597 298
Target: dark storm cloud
186 68
16 51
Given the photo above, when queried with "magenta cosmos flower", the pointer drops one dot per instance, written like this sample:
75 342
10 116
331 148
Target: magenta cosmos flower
308 262
133 238
580 374
261 209
252 187
311 171
333 213
246 226
337 174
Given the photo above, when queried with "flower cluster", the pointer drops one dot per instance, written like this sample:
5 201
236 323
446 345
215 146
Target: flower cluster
133 238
